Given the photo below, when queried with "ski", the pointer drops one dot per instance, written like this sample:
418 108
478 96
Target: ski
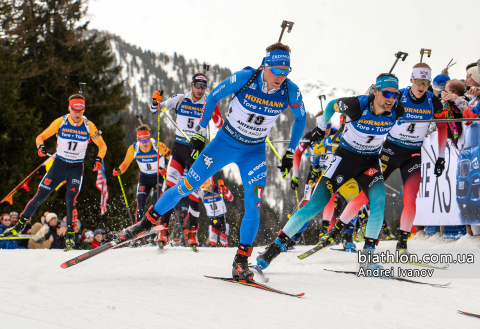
444 267
438 285
108 246
255 285
259 270
21 236
312 251
341 249
470 314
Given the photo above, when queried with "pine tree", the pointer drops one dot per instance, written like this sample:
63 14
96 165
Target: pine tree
47 55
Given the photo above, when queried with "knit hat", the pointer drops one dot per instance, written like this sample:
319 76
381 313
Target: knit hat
440 81
97 232
473 71
89 234
50 216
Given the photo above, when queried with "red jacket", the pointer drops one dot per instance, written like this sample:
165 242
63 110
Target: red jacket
95 244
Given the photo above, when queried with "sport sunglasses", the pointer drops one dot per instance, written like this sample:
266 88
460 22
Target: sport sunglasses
199 85
389 94
420 82
279 71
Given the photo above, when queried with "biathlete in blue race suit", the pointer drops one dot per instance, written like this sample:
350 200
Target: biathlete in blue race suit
369 119
260 97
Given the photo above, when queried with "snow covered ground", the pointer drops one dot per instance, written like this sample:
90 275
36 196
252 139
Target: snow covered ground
140 288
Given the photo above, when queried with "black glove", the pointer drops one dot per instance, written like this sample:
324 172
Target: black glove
439 167
317 135
287 163
294 183
197 143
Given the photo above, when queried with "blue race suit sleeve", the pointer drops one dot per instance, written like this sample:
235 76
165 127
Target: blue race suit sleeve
227 87
295 101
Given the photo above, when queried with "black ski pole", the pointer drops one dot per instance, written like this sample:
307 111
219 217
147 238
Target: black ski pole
399 55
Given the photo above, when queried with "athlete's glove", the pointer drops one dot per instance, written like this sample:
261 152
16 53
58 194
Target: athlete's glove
221 186
42 150
97 165
317 135
294 183
117 171
197 143
287 163
163 172
156 98
439 167
317 172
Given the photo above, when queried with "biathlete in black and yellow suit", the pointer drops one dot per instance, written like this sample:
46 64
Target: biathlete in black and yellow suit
73 134
145 152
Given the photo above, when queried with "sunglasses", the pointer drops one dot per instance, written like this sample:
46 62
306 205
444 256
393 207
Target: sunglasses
199 85
420 82
144 140
389 94
78 111
279 71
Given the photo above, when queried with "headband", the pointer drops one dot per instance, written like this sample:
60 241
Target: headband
143 134
75 103
386 82
278 58
422 73
198 78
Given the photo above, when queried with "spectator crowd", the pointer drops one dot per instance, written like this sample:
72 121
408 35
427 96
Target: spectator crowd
49 233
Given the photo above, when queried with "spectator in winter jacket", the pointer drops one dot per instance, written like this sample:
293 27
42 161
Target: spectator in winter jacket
5 223
87 240
97 238
55 231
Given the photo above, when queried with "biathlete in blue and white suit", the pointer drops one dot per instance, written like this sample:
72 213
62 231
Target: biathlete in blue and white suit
369 119
260 97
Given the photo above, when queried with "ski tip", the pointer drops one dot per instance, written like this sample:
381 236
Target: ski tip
301 295
64 265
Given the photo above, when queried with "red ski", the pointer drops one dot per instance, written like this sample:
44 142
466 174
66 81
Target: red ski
106 247
254 284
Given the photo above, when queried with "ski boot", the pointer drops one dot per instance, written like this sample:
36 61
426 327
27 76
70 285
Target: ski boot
151 218
347 242
69 239
368 250
240 270
163 238
324 228
402 244
273 250
387 234
330 237
17 228
192 238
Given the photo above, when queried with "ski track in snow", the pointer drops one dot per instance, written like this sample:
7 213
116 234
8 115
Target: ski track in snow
141 288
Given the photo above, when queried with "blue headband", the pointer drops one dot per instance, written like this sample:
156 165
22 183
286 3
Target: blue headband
278 58
386 82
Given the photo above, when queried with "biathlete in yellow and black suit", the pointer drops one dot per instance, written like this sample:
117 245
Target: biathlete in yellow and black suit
74 131
144 150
